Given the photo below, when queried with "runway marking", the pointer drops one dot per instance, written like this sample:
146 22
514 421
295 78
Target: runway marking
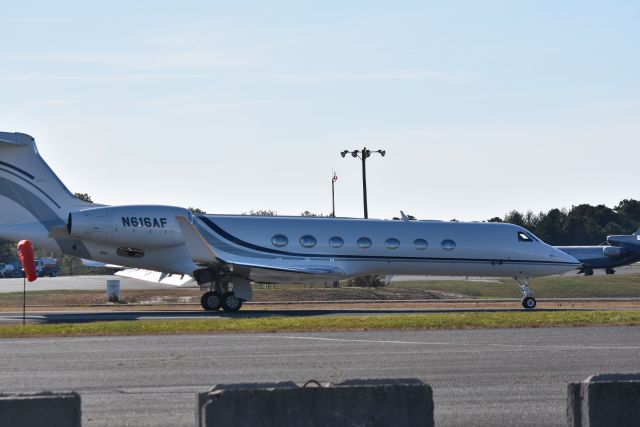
360 341
557 347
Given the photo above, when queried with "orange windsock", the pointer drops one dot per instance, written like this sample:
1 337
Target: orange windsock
25 253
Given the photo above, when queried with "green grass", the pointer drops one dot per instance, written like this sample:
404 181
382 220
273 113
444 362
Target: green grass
570 286
519 319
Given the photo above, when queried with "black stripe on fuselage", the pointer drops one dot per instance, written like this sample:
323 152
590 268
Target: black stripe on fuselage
230 237
33 185
27 174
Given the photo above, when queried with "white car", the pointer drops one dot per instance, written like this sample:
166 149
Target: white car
7 270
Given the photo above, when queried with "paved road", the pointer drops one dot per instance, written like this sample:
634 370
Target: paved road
480 377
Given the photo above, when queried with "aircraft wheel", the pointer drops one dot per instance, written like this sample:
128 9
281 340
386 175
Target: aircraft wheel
230 302
528 302
211 301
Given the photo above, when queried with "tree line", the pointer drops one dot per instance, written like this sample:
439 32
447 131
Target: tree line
581 225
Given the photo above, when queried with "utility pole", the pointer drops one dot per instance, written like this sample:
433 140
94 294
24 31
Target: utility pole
333 194
363 155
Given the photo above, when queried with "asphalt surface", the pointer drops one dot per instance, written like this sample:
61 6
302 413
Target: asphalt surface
57 316
479 377
79 283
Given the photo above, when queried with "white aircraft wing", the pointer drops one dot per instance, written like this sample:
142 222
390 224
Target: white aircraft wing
265 273
157 277
201 251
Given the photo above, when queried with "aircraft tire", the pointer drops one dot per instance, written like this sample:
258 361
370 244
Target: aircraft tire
230 302
211 301
528 303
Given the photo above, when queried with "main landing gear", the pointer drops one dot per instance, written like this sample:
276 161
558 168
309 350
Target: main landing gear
213 301
522 282
219 295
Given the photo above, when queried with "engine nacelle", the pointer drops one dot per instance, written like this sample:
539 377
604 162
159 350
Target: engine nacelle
612 251
140 227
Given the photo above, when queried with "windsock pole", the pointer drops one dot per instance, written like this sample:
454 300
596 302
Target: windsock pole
25 253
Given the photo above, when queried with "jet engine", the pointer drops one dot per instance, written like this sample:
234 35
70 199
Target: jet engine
144 226
612 251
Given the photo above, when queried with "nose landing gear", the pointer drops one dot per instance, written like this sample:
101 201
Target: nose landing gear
522 282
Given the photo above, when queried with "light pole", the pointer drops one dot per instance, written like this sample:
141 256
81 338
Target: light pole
333 194
363 155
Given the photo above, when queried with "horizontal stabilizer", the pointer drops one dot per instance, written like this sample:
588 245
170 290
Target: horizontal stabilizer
157 277
16 139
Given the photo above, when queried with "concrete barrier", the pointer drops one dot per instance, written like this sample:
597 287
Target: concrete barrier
40 410
396 402
604 400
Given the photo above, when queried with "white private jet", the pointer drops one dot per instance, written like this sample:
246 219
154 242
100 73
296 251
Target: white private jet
224 253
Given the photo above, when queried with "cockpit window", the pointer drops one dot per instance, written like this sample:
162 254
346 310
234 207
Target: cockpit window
525 237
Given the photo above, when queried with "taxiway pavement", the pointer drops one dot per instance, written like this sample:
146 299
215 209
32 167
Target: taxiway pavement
78 283
84 316
479 377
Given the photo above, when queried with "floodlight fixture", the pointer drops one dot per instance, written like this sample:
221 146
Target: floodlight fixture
363 156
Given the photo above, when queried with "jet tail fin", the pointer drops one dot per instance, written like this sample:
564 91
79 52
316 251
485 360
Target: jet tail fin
33 200
29 184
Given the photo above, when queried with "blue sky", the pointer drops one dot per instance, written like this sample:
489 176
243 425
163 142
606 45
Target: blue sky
482 107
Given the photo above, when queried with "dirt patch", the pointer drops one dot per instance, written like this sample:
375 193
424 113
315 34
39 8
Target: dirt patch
350 294
154 297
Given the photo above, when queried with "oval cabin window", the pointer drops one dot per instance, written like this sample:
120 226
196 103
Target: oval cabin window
279 240
448 245
392 243
364 242
307 241
420 244
336 242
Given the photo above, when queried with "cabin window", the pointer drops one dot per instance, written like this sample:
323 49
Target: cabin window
392 243
307 241
279 240
364 242
524 237
336 242
420 244
448 245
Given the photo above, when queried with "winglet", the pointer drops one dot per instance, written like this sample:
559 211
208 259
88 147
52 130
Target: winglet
404 217
201 251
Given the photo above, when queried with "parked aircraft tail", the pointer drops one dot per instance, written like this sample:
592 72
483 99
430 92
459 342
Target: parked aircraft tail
32 197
